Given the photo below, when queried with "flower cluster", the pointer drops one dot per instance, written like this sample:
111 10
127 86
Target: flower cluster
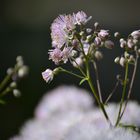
130 45
78 118
14 74
74 42
70 37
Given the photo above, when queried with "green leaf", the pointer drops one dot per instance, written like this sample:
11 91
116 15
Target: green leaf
82 81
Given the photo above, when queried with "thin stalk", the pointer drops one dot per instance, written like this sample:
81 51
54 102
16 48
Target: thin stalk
5 81
131 84
95 94
97 81
110 95
71 73
123 94
7 90
79 67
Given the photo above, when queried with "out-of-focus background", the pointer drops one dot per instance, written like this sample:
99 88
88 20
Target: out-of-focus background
25 30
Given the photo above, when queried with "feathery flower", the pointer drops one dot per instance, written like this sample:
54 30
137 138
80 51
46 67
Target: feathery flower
48 75
55 55
81 18
60 30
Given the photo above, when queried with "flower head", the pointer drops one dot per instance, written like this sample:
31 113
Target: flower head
103 34
56 55
60 30
81 18
48 75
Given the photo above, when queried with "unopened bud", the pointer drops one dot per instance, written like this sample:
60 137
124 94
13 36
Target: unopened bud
20 61
139 51
117 60
96 25
16 93
130 43
126 54
13 85
10 71
98 55
103 34
122 43
109 44
19 58
131 59
136 34
116 34
23 71
122 61
97 41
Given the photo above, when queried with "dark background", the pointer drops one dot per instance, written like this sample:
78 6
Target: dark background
25 30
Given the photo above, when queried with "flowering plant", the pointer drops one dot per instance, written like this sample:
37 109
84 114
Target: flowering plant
74 42
14 74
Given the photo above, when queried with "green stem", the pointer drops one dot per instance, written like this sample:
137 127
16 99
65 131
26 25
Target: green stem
5 81
7 90
131 84
95 94
97 81
113 91
71 73
123 94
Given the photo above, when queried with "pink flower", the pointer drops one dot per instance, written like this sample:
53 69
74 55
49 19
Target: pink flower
48 75
103 34
56 55
66 53
136 34
81 18
61 29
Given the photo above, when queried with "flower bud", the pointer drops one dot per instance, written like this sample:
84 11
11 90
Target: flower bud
122 61
103 34
20 61
10 71
96 25
109 44
13 85
98 55
16 93
116 34
130 43
117 60
131 59
126 54
75 43
139 51
122 43
136 34
23 71
97 41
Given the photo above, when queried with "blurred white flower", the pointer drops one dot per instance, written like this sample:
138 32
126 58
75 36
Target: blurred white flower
64 99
